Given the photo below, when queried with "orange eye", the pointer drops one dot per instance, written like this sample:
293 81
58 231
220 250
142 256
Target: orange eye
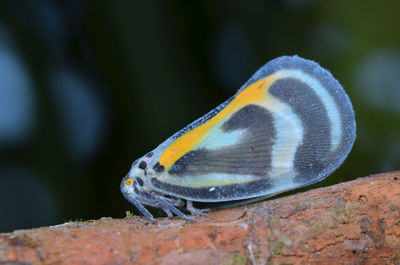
128 181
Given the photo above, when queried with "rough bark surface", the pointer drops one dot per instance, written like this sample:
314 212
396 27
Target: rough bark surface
357 222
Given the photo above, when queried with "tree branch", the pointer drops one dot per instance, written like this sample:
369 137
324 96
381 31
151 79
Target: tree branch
349 223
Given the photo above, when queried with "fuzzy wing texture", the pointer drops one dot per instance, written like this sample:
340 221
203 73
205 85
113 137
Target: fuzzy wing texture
290 125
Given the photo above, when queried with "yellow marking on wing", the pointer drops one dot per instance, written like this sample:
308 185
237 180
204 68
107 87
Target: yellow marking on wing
186 183
254 93
213 183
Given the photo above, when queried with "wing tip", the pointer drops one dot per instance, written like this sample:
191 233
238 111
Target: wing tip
287 62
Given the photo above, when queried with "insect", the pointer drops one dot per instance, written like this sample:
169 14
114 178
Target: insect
290 125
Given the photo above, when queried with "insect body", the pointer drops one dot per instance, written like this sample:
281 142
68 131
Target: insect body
290 125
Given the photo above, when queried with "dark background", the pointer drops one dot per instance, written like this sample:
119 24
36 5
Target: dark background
86 87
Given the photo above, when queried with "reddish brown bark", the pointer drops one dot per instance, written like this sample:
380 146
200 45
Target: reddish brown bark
357 222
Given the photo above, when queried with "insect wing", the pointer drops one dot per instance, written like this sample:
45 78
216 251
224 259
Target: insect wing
290 125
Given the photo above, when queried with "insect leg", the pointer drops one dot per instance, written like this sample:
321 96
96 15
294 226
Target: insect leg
193 210
141 208
171 208
168 212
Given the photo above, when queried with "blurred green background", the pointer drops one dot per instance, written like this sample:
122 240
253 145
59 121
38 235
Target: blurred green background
86 87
